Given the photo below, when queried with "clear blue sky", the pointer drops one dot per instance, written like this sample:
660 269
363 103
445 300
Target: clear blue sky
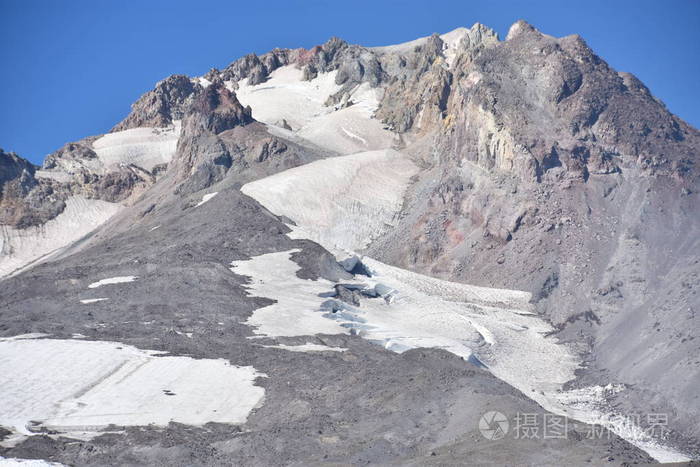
72 68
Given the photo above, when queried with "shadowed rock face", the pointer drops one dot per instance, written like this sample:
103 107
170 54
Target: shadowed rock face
30 200
216 109
26 201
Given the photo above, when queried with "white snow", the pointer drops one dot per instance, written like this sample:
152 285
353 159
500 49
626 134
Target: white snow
494 327
20 247
88 301
144 147
295 312
340 202
206 198
112 280
307 347
424 312
57 175
12 462
81 387
463 319
202 81
284 96
589 405
450 40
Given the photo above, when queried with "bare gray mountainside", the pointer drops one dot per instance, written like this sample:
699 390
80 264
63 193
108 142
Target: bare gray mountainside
364 404
526 164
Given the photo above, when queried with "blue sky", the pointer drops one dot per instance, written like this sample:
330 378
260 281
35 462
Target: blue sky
72 68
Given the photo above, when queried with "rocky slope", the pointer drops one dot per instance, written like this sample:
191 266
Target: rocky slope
555 174
525 164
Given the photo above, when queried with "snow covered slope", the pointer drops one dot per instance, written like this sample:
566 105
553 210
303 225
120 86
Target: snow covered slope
285 97
451 41
486 326
295 312
343 202
73 386
145 147
20 247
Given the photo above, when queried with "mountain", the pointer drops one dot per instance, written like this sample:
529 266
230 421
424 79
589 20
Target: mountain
389 255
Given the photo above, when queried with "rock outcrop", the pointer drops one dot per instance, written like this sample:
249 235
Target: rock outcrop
25 201
159 107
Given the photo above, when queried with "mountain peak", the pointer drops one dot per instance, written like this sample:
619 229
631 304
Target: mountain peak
520 27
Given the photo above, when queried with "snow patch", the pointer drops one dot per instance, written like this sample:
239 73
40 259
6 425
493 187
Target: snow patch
285 96
451 42
80 387
416 311
307 347
144 147
58 175
21 247
11 462
297 308
353 135
342 202
206 198
590 405
451 39
87 301
202 81
112 280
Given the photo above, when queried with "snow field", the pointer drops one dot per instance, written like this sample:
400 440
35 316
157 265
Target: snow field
308 347
20 247
144 147
296 311
341 202
13 462
112 280
81 387
511 342
88 301
205 198
284 96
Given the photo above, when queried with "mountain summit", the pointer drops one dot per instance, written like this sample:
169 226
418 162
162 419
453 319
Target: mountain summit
355 254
